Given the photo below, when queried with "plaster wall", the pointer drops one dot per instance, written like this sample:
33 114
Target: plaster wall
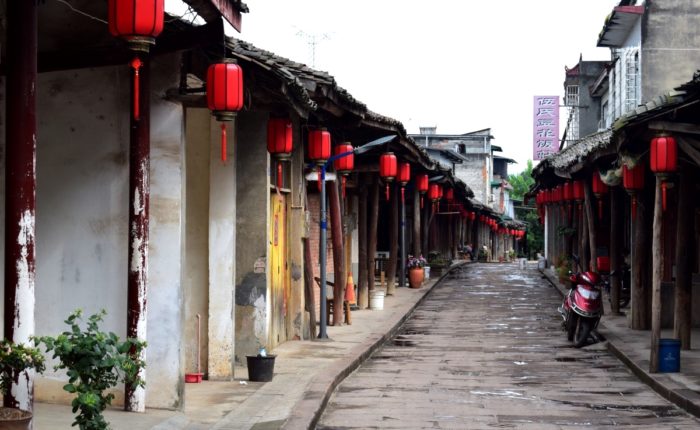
253 208
475 172
222 250
671 45
82 218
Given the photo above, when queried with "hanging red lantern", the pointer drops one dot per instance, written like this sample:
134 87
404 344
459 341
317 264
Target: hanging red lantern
344 164
388 169
664 160
450 195
319 150
578 193
279 142
403 177
137 22
568 191
422 183
600 189
224 94
633 181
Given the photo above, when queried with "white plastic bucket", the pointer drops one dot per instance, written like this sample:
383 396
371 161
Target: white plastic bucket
426 271
376 300
522 263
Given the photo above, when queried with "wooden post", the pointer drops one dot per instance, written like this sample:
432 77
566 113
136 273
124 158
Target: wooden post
309 297
640 261
362 268
339 272
589 203
20 190
393 242
685 244
139 203
416 223
657 258
372 233
616 237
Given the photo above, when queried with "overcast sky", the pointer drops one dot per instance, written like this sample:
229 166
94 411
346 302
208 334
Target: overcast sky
461 65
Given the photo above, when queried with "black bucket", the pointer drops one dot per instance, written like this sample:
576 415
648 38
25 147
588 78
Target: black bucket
260 368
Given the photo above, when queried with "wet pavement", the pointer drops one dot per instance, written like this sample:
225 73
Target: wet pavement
486 350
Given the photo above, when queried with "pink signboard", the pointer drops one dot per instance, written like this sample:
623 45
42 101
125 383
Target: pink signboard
545 127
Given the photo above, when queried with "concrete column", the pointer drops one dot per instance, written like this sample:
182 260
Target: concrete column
222 251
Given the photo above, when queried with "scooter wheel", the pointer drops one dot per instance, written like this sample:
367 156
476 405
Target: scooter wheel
583 329
571 326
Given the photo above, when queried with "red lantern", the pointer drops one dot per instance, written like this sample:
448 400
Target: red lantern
434 194
344 165
422 183
279 142
599 189
664 160
224 94
472 216
450 195
633 181
568 191
403 177
578 193
137 22
388 169
319 150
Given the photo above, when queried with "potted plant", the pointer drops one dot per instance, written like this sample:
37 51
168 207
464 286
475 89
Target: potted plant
95 362
15 359
483 254
415 271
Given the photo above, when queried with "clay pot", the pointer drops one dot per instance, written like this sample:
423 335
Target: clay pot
415 277
15 419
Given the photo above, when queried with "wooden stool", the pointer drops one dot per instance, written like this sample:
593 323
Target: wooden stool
329 311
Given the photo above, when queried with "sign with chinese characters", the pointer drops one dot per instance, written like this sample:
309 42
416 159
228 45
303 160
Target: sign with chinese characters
546 126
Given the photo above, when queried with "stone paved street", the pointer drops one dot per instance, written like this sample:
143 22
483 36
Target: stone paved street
485 350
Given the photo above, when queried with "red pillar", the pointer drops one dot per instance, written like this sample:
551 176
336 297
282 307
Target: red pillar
20 194
139 197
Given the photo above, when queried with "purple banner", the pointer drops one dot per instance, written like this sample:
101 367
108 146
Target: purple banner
545 127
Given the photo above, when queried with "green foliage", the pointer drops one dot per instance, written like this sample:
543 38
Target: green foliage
15 359
521 182
95 361
566 231
563 267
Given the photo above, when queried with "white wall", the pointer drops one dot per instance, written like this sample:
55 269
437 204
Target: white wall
82 202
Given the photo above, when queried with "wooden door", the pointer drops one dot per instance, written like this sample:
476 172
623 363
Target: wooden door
279 273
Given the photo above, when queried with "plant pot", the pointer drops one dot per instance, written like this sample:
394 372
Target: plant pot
415 277
15 419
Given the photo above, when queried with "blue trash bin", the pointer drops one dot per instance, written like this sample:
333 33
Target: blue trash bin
669 355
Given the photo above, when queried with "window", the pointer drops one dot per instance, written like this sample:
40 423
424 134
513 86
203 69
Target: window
572 95
631 80
603 124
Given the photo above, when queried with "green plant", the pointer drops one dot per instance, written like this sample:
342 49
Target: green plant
435 259
563 267
15 359
95 361
511 254
566 231
418 262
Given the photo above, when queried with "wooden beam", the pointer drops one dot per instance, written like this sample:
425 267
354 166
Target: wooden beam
657 261
677 127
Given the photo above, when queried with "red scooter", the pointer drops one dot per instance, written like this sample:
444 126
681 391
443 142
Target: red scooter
583 305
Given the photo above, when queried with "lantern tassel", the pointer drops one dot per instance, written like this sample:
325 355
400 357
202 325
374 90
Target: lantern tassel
223 142
664 187
387 192
634 207
318 172
342 182
279 174
403 198
136 65
600 209
421 201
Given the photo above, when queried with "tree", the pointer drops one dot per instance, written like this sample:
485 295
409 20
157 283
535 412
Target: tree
521 183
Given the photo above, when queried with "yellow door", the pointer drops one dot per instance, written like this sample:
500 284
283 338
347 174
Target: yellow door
279 274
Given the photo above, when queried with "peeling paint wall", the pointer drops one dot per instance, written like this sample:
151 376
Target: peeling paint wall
82 204
252 203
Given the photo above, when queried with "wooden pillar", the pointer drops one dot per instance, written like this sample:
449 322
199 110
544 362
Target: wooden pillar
20 194
685 245
372 233
640 261
362 268
393 242
339 272
589 207
309 288
139 203
416 223
657 258
616 237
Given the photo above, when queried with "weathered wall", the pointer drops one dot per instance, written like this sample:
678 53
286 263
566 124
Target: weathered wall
196 264
82 202
222 250
297 322
475 172
671 45
253 206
